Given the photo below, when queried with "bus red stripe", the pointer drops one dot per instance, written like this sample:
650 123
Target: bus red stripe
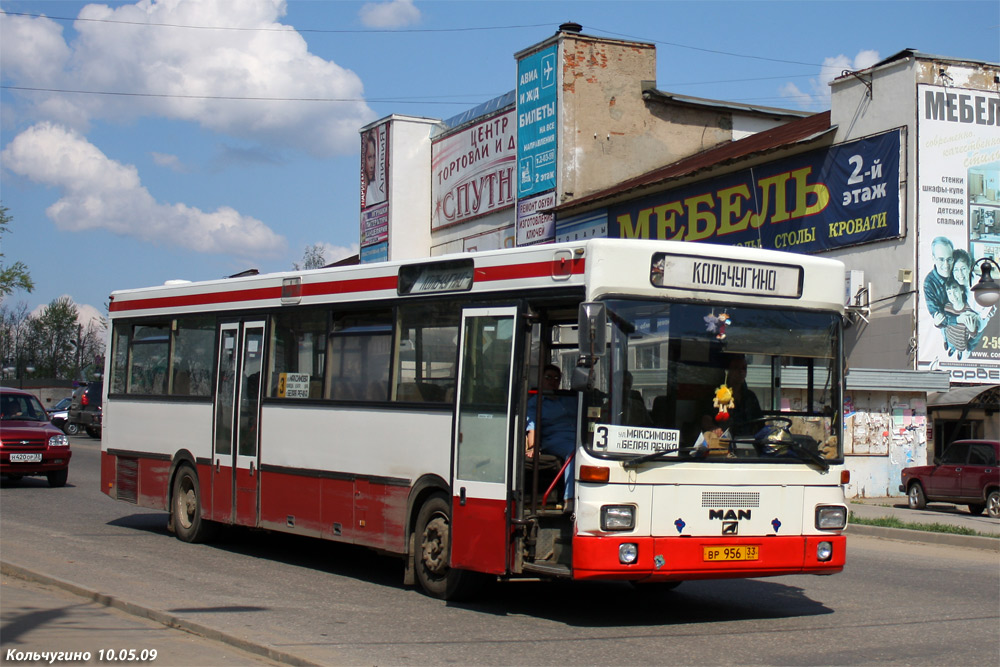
483 274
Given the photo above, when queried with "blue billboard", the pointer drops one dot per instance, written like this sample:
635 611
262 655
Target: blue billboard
824 199
537 122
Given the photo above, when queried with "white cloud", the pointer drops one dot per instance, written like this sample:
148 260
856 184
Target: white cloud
394 14
171 162
272 61
335 253
818 95
101 193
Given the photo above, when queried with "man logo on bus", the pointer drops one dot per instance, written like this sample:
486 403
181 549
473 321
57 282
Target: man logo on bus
730 527
728 515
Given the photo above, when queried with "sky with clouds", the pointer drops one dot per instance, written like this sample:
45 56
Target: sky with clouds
154 140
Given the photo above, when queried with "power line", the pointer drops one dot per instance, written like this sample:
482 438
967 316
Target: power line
704 50
403 30
281 29
416 100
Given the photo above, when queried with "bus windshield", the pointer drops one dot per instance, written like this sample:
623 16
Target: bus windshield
717 383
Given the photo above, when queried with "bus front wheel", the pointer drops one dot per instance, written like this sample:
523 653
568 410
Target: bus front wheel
189 526
432 553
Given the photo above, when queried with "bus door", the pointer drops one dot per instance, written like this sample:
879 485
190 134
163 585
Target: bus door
235 469
481 465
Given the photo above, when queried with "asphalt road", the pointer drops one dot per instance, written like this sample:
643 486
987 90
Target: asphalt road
898 602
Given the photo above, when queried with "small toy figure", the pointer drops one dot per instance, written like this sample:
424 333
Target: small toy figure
717 325
723 401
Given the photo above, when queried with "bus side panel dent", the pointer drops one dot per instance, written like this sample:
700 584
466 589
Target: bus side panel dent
680 558
154 483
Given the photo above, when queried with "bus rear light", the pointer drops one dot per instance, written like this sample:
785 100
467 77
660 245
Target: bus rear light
845 476
628 553
824 551
598 474
617 517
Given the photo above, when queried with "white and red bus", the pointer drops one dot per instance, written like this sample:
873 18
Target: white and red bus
385 405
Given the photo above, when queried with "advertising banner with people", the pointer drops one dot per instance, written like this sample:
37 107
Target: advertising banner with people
374 165
958 211
820 200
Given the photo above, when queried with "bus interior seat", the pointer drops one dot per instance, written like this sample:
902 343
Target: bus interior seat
661 411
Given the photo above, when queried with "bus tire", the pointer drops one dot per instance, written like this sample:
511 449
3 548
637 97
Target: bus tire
432 551
185 508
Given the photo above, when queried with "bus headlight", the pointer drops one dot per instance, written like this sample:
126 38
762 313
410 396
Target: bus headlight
831 517
628 553
617 517
59 441
824 551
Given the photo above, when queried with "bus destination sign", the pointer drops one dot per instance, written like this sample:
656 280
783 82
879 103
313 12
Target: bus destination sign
434 277
612 439
726 275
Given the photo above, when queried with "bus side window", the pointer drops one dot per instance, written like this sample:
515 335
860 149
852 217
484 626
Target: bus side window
426 351
298 344
358 359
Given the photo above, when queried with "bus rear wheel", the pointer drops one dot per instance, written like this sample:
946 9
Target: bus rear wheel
186 508
432 554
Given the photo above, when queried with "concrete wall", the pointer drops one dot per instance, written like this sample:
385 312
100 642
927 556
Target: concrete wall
883 433
409 187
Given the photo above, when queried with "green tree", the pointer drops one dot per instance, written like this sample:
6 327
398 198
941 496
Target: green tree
13 339
312 258
16 275
52 335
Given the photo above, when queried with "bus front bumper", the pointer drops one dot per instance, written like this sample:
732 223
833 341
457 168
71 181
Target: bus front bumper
684 558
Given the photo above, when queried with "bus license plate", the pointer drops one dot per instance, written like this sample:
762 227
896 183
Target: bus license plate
727 553
25 458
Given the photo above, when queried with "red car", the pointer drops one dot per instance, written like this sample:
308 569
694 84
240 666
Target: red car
29 444
967 474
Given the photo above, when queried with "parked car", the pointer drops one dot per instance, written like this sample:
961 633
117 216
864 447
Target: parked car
29 443
85 409
967 474
61 420
61 406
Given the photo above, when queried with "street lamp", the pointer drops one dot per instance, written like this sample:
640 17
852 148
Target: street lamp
986 291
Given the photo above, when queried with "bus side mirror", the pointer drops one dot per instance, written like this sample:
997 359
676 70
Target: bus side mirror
592 331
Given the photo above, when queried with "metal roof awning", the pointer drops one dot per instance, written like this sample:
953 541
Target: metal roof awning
979 396
884 379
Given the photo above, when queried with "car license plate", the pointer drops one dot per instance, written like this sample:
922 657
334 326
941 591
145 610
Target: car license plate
731 552
25 458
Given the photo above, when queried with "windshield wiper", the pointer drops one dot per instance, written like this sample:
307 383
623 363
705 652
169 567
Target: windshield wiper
809 454
635 463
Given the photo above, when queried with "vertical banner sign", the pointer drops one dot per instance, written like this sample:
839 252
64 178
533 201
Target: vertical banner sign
374 187
958 209
537 104
820 200
472 171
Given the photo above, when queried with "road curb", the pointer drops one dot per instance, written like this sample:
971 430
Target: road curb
161 617
925 536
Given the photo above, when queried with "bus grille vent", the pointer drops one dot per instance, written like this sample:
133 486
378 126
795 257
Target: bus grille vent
730 499
127 480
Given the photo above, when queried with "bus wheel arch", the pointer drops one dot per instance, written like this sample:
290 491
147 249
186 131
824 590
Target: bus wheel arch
431 553
186 507
422 489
